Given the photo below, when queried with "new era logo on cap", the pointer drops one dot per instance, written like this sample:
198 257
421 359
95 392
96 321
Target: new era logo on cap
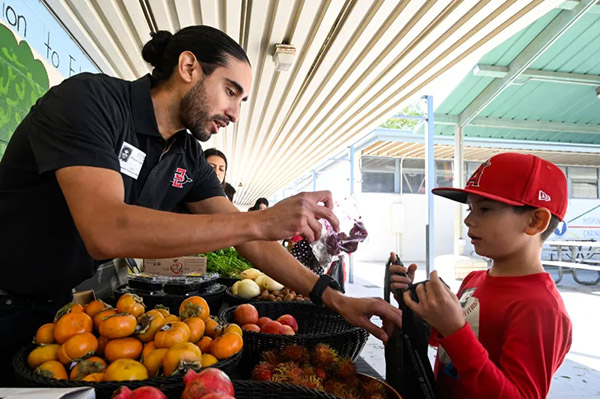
542 196
516 179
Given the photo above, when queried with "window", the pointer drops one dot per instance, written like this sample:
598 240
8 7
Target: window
378 174
584 182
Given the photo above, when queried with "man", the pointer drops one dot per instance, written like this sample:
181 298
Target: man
66 200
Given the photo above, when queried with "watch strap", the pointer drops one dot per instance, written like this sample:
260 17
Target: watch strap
324 281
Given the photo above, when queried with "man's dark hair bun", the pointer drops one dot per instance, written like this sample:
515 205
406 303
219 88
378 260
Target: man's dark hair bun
154 51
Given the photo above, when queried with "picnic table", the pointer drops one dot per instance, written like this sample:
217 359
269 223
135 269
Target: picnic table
574 255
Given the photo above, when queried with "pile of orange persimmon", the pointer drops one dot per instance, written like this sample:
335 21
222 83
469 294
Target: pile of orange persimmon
98 343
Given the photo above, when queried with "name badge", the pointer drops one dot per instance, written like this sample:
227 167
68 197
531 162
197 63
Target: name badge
131 160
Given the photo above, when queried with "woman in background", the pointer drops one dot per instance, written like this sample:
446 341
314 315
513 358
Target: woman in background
260 205
218 161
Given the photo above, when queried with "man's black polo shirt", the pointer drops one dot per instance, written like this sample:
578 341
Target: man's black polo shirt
87 120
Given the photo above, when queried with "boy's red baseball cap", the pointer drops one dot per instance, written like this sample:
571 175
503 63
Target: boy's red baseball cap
516 179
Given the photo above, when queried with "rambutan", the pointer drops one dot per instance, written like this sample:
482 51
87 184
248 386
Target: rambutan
287 372
263 372
309 382
325 356
295 353
346 369
271 357
373 387
376 396
320 373
338 388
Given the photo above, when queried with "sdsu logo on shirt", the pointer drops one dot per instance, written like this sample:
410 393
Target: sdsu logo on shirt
180 178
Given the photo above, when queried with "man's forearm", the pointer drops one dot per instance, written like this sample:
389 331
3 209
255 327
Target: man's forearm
145 233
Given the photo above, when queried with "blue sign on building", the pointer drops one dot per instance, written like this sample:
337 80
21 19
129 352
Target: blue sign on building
32 21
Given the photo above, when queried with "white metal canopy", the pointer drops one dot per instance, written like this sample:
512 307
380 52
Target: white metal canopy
357 62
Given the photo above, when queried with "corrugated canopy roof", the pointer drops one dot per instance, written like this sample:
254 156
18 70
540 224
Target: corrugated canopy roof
356 63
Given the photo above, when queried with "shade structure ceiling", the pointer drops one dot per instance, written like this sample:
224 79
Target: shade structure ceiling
357 62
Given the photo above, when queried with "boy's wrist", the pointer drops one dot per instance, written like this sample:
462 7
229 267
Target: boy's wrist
449 330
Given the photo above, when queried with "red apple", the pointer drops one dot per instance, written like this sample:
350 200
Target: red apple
272 327
207 381
287 330
251 327
289 320
245 314
263 320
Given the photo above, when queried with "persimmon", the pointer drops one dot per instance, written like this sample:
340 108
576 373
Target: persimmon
226 345
125 370
91 365
45 334
123 348
94 377
171 334
101 315
70 307
180 356
92 308
132 304
118 325
52 369
80 346
208 359
212 328
62 356
194 306
42 354
196 326
102 341
148 348
154 361
204 344
148 325
162 309
234 328
71 324
171 318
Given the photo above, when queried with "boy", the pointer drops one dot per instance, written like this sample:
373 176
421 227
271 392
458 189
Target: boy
509 331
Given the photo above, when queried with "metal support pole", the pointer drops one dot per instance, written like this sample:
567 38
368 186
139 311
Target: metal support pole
429 184
458 182
351 257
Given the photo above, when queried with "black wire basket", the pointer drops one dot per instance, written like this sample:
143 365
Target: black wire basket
227 281
234 300
214 296
315 325
245 389
104 389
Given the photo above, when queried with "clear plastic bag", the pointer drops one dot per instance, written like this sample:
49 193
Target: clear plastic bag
352 231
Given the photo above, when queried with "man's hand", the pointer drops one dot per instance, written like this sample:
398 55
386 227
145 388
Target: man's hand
299 214
437 305
358 312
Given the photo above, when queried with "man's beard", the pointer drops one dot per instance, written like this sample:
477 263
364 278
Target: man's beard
194 113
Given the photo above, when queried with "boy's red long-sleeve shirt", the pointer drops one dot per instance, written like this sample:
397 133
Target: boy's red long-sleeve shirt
516 336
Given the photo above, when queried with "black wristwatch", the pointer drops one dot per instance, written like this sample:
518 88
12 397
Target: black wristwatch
324 281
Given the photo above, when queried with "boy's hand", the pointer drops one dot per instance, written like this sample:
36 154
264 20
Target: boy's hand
437 305
398 280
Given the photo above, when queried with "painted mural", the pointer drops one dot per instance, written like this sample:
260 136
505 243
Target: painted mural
23 80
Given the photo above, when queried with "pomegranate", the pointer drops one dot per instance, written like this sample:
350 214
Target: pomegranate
207 381
289 320
272 327
122 393
287 330
251 327
262 321
245 314
217 395
145 392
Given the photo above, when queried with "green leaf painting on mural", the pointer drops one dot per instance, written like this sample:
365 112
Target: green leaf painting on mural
23 80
